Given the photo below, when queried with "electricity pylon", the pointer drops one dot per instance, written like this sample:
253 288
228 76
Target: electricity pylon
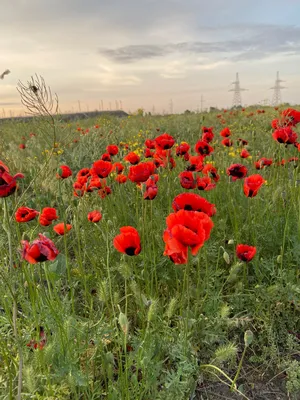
237 97
276 99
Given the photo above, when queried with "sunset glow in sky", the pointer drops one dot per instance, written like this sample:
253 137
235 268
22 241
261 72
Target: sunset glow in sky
146 52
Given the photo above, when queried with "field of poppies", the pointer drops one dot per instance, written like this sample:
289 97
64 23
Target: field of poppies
150 257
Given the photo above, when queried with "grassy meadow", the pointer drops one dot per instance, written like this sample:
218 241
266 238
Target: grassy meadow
96 323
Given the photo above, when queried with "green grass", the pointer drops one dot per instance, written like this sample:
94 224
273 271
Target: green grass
176 318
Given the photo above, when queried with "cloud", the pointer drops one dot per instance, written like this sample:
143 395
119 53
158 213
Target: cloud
265 41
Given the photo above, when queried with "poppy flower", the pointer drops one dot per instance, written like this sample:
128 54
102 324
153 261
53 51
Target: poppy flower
163 158
94 216
225 132
64 172
244 153
62 228
227 142
148 153
285 135
292 115
79 189
39 250
151 190
104 191
128 241
263 162
237 171
193 202
22 146
101 168
165 141
196 163
176 251
150 144
182 149
106 157
203 148
207 137
252 184
133 158
245 252
276 124
205 183
121 178
112 149
141 172
187 180
189 228
8 183
25 214
83 174
47 215
211 171
242 142
118 167
205 129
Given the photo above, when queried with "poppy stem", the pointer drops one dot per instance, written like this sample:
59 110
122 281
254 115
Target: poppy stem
15 310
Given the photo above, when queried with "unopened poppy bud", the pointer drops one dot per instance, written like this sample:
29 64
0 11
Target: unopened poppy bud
248 338
226 257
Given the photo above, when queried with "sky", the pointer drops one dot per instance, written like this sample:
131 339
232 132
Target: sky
155 54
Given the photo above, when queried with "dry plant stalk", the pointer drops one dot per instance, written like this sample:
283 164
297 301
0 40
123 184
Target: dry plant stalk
37 97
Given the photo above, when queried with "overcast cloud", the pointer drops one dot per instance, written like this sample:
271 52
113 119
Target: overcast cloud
146 52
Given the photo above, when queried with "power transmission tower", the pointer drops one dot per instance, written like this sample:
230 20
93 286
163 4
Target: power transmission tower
237 97
276 99
121 105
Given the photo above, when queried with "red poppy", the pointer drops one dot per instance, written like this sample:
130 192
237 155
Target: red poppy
187 180
148 153
242 142
64 172
112 149
252 184
245 252
244 153
293 159
193 202
48 215
150 144
182 149
83 174
79 189
104 191
163 158
285 135
237 171
101 168
121 178
62 228
141 172
8 183
225 132
118 167
293 116
205 183
25 214
133 158
94 216
39 250
205 129
22 146
207 136
211 171
106 157
263 162
196 163
189 228
176 251
227 142
151 190
128 242
203 148
95 183
276 124
164 141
